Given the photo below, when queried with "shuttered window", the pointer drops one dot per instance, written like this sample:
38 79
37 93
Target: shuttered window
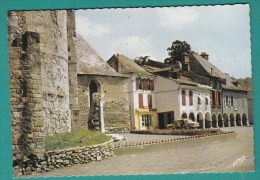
151 85
183 97
137 83
219 99
145 84
226 100
216 98
199 100
206 101
140 98
190 98
149 98
232 101
213 98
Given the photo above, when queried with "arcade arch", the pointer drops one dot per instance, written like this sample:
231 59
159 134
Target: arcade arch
244 120
200 120
192 117
225 118
208 122
238 119
232 119
220 120
214 121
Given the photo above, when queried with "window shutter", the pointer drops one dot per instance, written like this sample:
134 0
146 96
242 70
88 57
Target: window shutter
145 84
152 85
226 100
216 94
140 97
191 98
213 98
137 83
183 98
220 99
149 84
149 98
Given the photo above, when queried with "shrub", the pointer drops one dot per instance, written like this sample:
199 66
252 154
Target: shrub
74 139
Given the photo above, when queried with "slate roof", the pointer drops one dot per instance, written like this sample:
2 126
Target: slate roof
215 72
129 66
186 81
89 62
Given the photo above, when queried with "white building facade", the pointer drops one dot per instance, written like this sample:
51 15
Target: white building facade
177 99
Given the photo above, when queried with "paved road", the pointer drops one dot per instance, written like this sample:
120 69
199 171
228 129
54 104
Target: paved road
208 154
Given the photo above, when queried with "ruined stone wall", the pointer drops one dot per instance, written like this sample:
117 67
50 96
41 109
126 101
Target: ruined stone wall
116 109
39 79
66 157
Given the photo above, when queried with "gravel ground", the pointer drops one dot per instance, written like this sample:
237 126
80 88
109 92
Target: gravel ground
210 154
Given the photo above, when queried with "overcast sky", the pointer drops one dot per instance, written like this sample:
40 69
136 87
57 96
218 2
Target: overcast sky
221 31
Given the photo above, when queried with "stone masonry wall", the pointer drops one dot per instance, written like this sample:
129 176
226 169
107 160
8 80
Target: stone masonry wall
39 78
116 109
26 88
65 157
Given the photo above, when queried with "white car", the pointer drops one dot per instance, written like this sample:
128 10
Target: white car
191 123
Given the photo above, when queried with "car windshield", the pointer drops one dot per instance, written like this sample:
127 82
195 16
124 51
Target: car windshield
189 120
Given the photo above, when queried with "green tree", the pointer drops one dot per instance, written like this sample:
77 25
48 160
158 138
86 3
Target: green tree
176 51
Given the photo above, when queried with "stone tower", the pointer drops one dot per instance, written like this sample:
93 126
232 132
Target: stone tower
43 77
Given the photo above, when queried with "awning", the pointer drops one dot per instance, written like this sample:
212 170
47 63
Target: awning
142 110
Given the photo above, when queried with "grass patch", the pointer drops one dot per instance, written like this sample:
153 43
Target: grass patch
74 139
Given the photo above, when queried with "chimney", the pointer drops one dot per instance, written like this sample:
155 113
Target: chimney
204 55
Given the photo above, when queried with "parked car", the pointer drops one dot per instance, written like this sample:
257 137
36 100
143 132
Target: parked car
184 124
192 124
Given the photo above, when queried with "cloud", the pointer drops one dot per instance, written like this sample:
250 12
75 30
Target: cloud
133 41
221 31
177 17
87 28
133 46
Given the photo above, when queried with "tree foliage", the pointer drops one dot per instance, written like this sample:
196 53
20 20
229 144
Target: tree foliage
176 51
244 81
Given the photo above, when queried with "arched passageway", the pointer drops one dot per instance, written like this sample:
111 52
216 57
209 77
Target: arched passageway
238 120
200 120
226 121
244 120
184 116
214 120
208 122
192 117
94 121
220 120
232 120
